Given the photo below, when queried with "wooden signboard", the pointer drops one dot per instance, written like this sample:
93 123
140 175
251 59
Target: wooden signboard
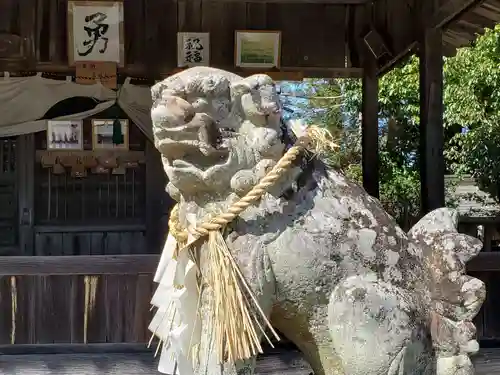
90 72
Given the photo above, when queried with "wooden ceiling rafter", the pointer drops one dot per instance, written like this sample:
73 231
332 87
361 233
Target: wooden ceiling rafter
330 47
329 2
462 21
450 10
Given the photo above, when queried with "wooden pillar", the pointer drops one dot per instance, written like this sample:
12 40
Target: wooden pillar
432 165
370 128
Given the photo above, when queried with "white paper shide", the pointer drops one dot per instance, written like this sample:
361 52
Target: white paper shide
176 322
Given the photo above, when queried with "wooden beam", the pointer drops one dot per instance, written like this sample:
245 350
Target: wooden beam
444 15
431 121
485 262
78 265
143 72
449 11
396 59
339 2
68 349
370 128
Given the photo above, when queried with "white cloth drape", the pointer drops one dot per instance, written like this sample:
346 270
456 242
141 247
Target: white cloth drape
136 103
25 100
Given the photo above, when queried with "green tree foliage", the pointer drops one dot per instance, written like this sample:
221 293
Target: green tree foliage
471 118
399 110
472 103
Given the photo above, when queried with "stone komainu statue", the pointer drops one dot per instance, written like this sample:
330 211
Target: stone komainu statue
332 270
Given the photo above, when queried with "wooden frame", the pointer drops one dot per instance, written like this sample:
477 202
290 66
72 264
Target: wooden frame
119 57
96 145
64 140
205 54
78 265
273 42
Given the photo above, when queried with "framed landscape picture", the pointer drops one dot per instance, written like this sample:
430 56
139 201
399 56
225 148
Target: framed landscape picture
64 135
96 31
110 134
257 49
193 49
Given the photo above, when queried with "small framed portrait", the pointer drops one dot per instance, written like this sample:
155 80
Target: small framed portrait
257 49
110 134
64 135
193 49
96 31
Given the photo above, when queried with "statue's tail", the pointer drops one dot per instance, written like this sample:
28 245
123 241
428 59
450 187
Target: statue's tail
456 298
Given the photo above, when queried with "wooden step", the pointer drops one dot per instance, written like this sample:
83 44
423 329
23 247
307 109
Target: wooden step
281 362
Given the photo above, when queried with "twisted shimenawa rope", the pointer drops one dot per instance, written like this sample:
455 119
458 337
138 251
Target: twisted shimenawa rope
315 139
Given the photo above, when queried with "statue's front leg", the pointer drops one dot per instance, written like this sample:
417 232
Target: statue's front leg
376 329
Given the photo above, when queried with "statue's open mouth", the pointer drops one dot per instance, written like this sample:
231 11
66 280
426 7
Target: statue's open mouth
195 154
184 154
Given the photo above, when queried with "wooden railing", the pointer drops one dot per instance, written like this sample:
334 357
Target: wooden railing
78 265
76 299
486 266
42 298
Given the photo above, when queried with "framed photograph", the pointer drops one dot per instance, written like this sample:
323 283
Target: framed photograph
257 49
96 31
110 134
64 135
193 49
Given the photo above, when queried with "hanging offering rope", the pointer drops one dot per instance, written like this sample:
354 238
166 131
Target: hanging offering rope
236 315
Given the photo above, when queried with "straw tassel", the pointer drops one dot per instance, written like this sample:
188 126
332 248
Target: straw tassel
13 293
90 285
236 323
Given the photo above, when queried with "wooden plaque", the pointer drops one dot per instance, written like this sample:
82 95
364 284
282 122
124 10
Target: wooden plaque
88 73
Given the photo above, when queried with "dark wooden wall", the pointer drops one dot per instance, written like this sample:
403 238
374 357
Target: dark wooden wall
47 216
8 193
486 267
45 302
397 22
327 36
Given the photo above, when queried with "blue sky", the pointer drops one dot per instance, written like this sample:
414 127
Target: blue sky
293 97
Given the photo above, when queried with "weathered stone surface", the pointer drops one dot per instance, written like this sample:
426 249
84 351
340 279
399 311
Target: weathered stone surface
332 269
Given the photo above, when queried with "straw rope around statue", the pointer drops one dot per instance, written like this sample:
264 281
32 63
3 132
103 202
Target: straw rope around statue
238 320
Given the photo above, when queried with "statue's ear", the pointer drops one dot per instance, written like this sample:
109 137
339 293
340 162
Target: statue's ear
250 83
240 88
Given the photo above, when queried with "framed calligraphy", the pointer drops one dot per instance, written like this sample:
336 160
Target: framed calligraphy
257 49
110 134
193 49
96 31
